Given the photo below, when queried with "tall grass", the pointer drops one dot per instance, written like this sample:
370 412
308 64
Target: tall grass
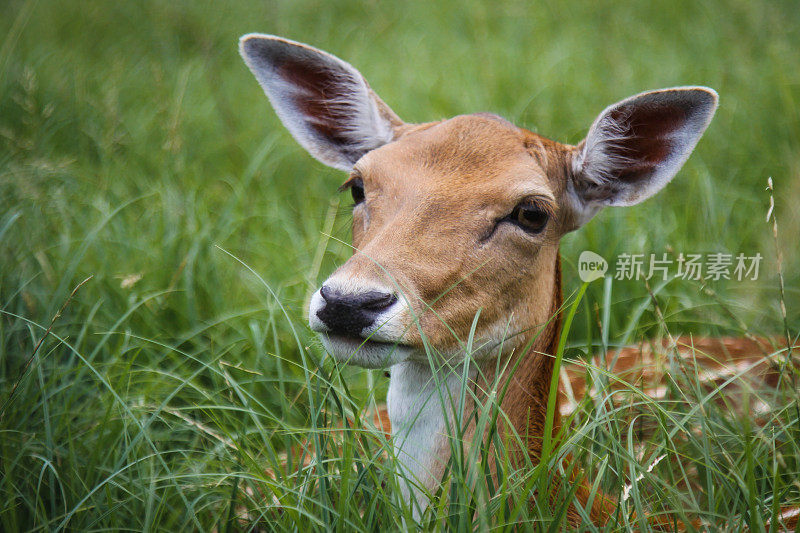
180 387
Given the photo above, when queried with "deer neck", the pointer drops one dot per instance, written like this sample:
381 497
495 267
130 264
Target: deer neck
422 404
527 377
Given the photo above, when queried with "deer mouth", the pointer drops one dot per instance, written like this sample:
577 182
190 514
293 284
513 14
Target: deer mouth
365 352
358 341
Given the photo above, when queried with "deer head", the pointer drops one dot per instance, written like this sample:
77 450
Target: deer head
459 215
456 226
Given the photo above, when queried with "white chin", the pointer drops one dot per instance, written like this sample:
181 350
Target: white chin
364 353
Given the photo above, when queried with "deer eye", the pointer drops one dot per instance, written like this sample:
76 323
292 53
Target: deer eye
357 190
530 217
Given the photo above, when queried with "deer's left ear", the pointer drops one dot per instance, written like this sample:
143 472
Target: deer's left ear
636 146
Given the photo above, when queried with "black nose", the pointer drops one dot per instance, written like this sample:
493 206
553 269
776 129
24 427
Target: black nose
349 314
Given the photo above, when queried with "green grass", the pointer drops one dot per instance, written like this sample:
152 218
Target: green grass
173 390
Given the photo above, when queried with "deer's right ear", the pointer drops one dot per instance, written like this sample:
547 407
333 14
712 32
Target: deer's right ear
636 146
323 101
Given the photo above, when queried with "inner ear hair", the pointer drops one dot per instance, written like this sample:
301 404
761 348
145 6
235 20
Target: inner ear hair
636 146
324 102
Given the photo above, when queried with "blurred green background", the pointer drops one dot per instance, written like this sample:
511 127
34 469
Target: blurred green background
136 147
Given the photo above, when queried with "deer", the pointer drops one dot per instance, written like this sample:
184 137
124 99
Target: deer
456 225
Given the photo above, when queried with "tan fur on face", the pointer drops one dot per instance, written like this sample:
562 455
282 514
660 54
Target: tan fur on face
428 225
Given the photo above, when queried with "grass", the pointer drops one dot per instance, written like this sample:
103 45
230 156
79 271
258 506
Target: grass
174 390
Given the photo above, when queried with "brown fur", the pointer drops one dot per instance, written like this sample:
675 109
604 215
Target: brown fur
447 182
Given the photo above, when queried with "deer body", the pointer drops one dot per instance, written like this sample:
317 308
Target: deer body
456 226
